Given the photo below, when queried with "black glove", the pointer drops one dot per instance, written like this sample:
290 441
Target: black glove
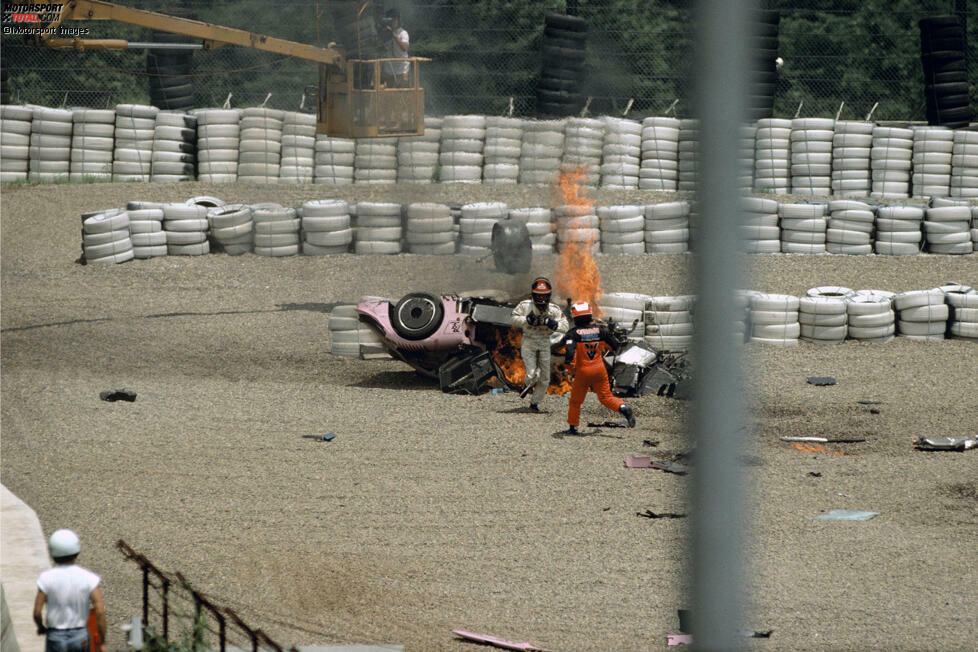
532 319
552 324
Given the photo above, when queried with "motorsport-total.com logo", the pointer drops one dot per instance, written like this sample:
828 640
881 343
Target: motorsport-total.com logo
27 19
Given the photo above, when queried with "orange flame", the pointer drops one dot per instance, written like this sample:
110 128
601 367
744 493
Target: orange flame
505 352
576 275
817 448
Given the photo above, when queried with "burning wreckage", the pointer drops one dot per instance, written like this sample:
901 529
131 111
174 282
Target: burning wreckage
466 342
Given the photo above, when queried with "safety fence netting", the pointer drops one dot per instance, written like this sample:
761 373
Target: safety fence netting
494 56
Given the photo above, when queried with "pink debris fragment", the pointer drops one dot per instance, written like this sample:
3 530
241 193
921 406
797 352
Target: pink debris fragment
498 642
638 462
679 639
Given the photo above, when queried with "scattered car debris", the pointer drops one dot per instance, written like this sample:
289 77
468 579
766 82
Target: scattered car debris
685 625
650 514
945 443
816 448
327 437
641 462
874 410
651 443
498 642
821 381
826 440
679 639
846 515
118 395
607 424
870 402
750 633
815 474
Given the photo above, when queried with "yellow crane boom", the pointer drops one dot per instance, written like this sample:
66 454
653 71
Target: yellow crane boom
354 100
212 36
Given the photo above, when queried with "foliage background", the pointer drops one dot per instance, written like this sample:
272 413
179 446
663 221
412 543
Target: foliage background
486 54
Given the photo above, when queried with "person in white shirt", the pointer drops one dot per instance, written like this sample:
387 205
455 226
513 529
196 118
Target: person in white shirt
68 591
395 73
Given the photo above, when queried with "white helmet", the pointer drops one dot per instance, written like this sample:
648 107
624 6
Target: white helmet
64 543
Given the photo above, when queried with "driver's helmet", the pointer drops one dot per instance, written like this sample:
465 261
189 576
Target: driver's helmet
581 312
541 290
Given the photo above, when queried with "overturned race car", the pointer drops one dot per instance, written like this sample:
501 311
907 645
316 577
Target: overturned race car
466 342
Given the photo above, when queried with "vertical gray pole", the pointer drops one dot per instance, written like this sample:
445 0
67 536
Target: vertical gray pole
721 80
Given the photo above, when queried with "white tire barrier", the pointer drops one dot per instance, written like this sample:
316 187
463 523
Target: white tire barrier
91 156
921 314
932 150
947 229
375 162
502 150
462 133
106 238
540 225
541 151
429 229
850 227
260 146
667 227
174 147
15 138
417 156
803 228
898 229
50 143
185 226
621 153
583 143
133 146
688 154
218 131
668 322
475 225
964 166
622 226
823 315
772 156
811 156
660 154
232 228
297 163
774 319
378 228
892 151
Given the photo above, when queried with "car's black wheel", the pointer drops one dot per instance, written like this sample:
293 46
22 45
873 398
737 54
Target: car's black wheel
512 250
417 315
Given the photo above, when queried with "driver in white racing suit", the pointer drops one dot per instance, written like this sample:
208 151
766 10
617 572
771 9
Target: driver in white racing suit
538 319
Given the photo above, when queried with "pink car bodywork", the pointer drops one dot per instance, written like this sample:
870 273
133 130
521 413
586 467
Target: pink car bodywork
454 330
427 331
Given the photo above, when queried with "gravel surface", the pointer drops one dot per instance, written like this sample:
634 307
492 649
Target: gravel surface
430 512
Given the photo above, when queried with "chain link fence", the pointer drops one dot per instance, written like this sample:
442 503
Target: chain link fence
486 56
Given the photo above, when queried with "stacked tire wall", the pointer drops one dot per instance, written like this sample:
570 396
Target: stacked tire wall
943 49
563 52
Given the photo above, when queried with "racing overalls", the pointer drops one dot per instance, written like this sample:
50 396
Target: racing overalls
535 349
586 346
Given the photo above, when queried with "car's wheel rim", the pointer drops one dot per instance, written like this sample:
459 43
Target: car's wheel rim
416 314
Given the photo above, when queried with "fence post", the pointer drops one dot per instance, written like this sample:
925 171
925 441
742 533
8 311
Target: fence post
166 609
145 597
